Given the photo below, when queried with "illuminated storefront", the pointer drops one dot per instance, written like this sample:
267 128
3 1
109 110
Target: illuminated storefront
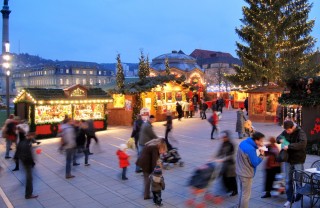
263 103
45 109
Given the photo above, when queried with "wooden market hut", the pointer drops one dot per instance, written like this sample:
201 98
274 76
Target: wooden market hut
263 103
45 109
157 94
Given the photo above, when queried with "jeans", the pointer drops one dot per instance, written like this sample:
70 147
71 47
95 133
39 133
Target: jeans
214 128
288 170
8 146
140 148
244 191
124 172
29 185
69 158
157 197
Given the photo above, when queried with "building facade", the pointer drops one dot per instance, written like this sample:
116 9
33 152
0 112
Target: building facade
59 77
215 65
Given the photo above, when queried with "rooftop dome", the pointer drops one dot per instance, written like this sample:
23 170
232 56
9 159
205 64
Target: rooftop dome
177 60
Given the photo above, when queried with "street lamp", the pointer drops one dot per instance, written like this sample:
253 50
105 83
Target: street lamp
6 66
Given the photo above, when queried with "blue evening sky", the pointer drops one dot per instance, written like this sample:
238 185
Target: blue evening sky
96 30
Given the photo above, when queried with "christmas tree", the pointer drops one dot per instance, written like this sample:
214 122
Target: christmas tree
120 75
144 70
277 41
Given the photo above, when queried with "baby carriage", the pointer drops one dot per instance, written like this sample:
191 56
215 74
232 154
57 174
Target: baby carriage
248 128
200 182
173 157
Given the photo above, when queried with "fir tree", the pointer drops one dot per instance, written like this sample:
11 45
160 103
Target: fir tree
147 67
275 33
120 75
141 71
166 63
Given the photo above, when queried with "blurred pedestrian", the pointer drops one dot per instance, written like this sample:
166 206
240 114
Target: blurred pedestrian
68 143
240 123
149 159
24 153
21 138
214 119
246 105
226 155
9 133
135 134
146 133
203 108
168 129
247 161
157 185
272 167
186 108
179 110
123 160
91 134
81 140
191 109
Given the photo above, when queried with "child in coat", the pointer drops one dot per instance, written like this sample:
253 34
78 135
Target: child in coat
123 160
157 185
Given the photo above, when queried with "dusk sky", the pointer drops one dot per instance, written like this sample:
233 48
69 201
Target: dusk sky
96 30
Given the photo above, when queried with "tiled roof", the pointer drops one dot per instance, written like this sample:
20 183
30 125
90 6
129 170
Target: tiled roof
59 94
201 54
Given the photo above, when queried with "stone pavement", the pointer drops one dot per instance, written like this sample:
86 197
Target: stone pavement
99 184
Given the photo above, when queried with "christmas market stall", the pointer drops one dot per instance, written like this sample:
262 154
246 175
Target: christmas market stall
152 95
263 103
46 108
301 104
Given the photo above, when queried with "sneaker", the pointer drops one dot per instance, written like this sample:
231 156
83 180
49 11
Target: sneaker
86 164
266 195
76 164
31 197
124 178
287 204
70 176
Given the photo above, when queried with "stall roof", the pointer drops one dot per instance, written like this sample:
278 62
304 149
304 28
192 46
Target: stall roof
266 89
59 94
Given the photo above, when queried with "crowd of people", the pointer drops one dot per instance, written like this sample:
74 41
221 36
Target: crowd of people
238 164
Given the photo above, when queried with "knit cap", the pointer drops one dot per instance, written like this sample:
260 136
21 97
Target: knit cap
157 170
123 147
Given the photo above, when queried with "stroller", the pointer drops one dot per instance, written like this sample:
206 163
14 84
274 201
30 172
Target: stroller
173 157
200 182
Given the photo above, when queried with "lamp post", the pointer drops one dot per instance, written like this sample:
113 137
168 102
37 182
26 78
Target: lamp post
6 67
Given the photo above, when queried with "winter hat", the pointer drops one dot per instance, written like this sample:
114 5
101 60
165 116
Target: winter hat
157 170
123 147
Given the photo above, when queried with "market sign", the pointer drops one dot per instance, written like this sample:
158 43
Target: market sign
78 93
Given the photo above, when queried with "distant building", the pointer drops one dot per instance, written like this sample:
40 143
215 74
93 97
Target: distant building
180 64
61 76
215 65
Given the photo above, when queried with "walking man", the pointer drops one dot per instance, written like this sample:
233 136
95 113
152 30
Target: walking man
24 153
246 163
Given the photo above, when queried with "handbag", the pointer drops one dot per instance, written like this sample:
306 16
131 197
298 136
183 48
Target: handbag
130 143
210 120
282 156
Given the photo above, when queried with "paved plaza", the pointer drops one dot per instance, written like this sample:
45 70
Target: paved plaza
99 185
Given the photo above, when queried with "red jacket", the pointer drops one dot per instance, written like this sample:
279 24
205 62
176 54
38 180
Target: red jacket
123 159
215 118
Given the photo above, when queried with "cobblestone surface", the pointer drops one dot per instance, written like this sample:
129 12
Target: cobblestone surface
99 184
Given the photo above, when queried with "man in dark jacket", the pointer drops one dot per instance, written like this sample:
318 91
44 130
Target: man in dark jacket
296 149
135 134
24 153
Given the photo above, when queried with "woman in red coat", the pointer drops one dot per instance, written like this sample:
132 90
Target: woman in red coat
148 160
123 160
